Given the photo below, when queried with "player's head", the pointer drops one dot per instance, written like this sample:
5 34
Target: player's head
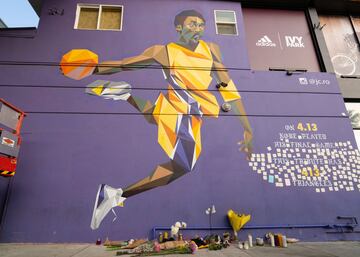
190 25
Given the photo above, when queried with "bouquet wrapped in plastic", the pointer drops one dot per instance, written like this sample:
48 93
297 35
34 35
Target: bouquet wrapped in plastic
237 221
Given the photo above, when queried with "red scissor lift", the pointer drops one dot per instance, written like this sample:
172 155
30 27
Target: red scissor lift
11 119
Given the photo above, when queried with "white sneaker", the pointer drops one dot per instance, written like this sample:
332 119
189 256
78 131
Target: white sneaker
109 89
106 199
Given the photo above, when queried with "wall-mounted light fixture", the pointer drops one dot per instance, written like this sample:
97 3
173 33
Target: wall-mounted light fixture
226 107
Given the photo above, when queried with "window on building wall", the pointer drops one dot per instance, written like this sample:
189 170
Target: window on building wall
225 22
341 37
279 39
354 115
99 17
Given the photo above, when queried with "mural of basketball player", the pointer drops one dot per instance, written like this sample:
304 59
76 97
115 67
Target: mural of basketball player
189 65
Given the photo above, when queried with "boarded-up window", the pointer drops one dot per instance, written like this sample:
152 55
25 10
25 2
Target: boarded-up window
88 18
110 18
99 17
279 39
341 41
225 22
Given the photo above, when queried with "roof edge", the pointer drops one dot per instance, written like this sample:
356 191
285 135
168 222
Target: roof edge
36 5
2 24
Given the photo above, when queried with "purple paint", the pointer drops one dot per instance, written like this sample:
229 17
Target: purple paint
64 157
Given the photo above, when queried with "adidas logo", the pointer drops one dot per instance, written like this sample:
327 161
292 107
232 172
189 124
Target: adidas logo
265 41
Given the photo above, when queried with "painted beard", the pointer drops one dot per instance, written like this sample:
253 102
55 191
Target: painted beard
195 38
191 38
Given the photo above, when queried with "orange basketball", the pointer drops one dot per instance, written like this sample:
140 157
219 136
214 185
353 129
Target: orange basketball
78 63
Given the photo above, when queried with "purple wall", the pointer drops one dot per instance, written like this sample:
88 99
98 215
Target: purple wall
73 142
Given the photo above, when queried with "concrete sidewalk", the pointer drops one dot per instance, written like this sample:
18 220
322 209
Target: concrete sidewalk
327 249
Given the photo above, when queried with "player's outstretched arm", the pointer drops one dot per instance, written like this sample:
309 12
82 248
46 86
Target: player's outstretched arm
246 144
81 63
232 96
154 54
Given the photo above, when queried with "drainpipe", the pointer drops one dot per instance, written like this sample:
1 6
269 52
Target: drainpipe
350 225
